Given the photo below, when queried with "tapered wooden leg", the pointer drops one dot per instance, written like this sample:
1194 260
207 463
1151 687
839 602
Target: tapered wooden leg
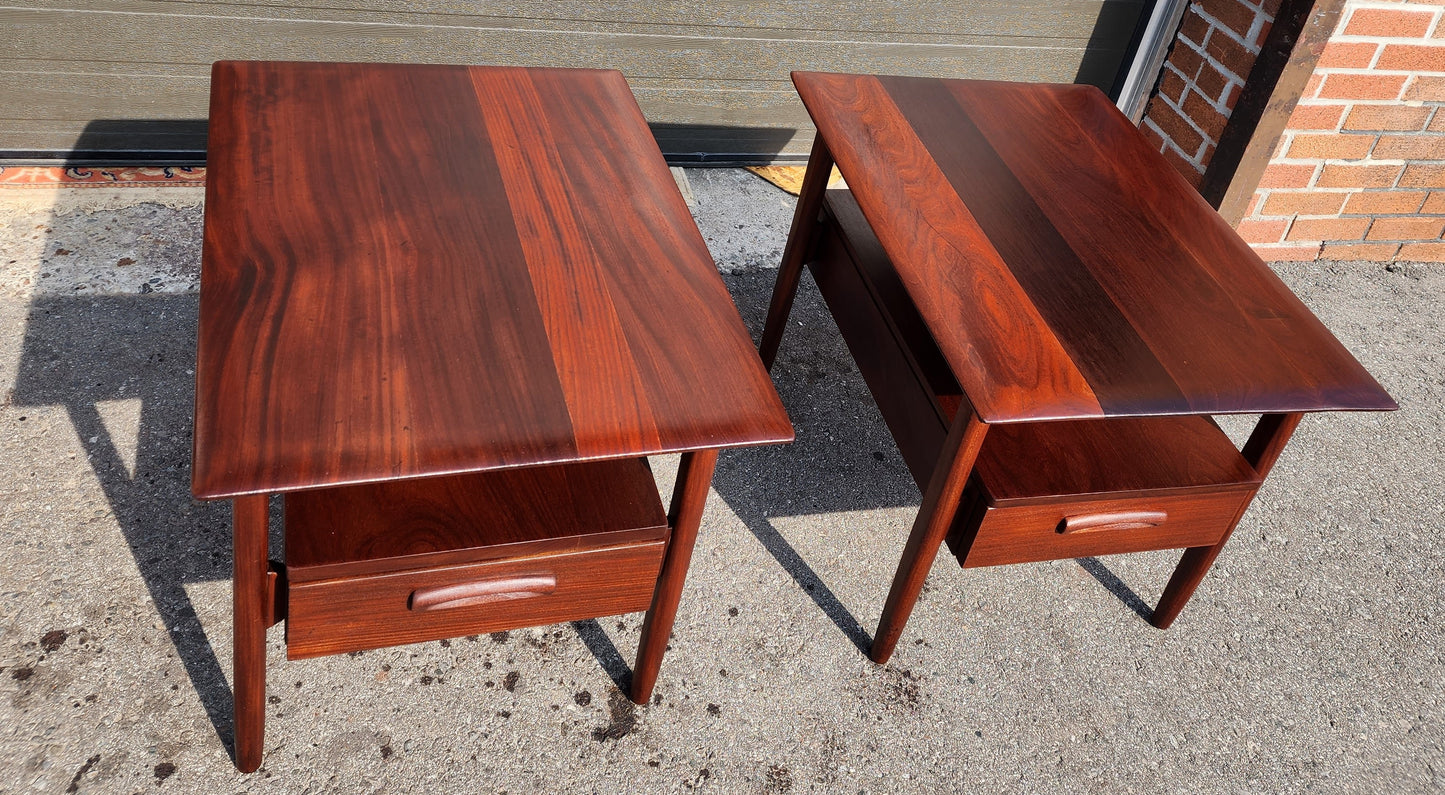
694 475
1261 451
799 249
940 503
250 595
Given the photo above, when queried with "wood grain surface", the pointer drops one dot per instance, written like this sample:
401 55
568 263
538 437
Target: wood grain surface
373 611
1028 533
1025 463
444 521
1062 267
515 281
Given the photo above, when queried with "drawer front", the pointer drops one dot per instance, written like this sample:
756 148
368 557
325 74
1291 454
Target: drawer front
1083 528
335 616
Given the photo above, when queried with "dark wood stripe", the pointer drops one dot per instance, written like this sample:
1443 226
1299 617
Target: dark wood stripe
1107 200
1177 267
476 297
1119 366
605 397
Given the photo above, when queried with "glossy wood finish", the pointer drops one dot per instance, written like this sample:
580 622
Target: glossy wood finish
1015 259
454 364
1034 463
689 497
373 611
1262 450
443 521
940 503
528 289
1031 226
251 607
1110 526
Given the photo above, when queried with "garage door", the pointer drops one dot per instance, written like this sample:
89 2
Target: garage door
128 79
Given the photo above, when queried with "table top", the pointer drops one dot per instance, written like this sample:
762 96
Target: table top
423 270
1063 267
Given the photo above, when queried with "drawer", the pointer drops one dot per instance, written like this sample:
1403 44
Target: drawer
369 612
989 535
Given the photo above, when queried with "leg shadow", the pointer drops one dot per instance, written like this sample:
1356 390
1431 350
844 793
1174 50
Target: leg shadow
802 574
1116 586
605 651
81 352
837 423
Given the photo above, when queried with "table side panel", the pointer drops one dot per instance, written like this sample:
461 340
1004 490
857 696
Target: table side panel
904 400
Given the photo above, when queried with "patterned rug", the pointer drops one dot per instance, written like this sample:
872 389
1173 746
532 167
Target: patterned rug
127 176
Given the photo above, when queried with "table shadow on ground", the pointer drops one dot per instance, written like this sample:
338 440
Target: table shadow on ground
80 352
843 458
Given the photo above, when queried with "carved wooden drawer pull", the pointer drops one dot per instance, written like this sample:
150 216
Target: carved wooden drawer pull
1124 520
482 592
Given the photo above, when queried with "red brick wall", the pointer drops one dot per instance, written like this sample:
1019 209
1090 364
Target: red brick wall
1360 171
1216 46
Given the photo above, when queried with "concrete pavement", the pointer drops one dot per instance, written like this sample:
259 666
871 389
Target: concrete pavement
1310 660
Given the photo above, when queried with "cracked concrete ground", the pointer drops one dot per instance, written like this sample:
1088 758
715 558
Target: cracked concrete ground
1309 661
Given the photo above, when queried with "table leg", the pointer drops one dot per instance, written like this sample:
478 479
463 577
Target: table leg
940 503
249 519
1261 451
799 249
689 495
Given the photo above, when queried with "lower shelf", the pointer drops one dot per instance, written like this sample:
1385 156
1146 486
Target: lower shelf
405 561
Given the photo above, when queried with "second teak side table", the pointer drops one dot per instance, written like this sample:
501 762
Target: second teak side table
1046 314
447 311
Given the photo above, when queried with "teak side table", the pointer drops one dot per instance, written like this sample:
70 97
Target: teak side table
447 312
1046 314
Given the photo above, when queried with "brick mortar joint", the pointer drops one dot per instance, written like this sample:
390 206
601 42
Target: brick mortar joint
1216 25
1170 145
1188 119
